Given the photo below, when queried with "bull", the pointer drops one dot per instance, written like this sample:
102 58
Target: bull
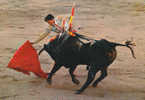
69 51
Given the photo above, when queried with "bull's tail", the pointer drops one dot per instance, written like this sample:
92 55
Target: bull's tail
127 44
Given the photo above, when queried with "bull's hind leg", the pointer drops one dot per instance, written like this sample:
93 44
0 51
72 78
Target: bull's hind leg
71 71
91 75
102 76
55 68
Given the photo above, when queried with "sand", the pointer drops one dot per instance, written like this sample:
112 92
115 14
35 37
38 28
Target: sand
115 20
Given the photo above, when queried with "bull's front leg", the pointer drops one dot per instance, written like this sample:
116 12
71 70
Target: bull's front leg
71 71
54 69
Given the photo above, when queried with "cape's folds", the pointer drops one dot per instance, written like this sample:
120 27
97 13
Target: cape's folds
26 60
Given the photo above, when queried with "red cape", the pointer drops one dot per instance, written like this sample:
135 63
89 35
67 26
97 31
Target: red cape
26 60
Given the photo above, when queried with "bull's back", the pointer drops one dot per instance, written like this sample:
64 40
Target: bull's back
100 52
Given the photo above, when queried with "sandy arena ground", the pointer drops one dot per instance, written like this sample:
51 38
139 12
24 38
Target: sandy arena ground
115 20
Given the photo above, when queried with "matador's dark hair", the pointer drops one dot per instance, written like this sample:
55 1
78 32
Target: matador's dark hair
48 17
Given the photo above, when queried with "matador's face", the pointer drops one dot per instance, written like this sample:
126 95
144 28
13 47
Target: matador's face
51 22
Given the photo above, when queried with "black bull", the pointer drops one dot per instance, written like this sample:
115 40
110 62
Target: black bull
97 55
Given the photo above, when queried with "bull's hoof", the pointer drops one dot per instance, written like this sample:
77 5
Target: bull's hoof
77 82
49 81
78 92
94 85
